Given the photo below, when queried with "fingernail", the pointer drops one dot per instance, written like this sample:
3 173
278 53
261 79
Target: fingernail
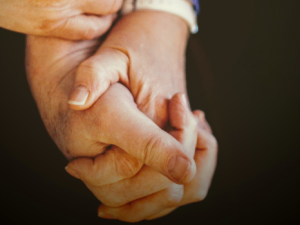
79 95
179 168
72 172
106 216
184 101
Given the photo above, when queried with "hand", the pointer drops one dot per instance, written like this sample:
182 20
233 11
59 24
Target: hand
69 19
146 52
113 120
148 194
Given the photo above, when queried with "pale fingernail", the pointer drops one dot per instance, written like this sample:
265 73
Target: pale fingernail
179 168
106 216
72 172
79 95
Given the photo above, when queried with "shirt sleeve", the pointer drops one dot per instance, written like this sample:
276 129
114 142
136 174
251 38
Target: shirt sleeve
196 5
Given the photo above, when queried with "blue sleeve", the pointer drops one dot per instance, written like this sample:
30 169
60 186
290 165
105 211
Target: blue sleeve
196 5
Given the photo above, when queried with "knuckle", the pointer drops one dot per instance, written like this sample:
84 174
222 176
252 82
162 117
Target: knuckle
90 66
46 25
153 141
173 195
127 167
88 74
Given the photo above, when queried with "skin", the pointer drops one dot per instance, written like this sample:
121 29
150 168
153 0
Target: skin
51 64
51 73
114 120
145 51
147 194
69 19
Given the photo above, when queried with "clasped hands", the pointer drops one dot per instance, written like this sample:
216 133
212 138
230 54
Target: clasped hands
131 139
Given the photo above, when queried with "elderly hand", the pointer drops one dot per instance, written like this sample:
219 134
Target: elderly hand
148 194
113 120
69 19
146 52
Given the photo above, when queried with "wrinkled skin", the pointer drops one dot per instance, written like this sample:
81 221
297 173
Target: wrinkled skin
51 66
147 194
69 19
115 120
151 96
146 52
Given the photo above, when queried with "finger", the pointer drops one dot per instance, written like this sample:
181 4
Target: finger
200 116
143 139
111 167
84 27
197 189
205 139
206 159
162 213
185 124
145 207
148 181
144 183
95 75
100 7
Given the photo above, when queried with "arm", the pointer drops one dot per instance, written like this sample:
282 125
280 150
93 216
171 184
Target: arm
80 19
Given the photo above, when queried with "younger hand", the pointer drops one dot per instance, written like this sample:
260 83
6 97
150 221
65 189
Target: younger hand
69 19
146 52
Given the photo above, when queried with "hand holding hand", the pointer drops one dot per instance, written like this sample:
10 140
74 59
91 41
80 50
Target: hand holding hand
147 194
113 120
145 51
69 19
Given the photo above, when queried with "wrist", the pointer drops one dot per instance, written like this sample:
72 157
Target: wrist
185 9
154 28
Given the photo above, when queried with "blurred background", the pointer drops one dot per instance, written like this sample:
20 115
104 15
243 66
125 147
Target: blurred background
242 70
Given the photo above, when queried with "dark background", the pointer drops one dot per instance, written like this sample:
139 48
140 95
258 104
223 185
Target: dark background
242 70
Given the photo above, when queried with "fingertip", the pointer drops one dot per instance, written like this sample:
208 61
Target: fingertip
199 114
182 170
78 97
72 172
201 120
190 174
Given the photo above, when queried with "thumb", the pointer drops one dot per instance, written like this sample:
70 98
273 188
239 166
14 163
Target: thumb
95 75
84 27
184 122
140 137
